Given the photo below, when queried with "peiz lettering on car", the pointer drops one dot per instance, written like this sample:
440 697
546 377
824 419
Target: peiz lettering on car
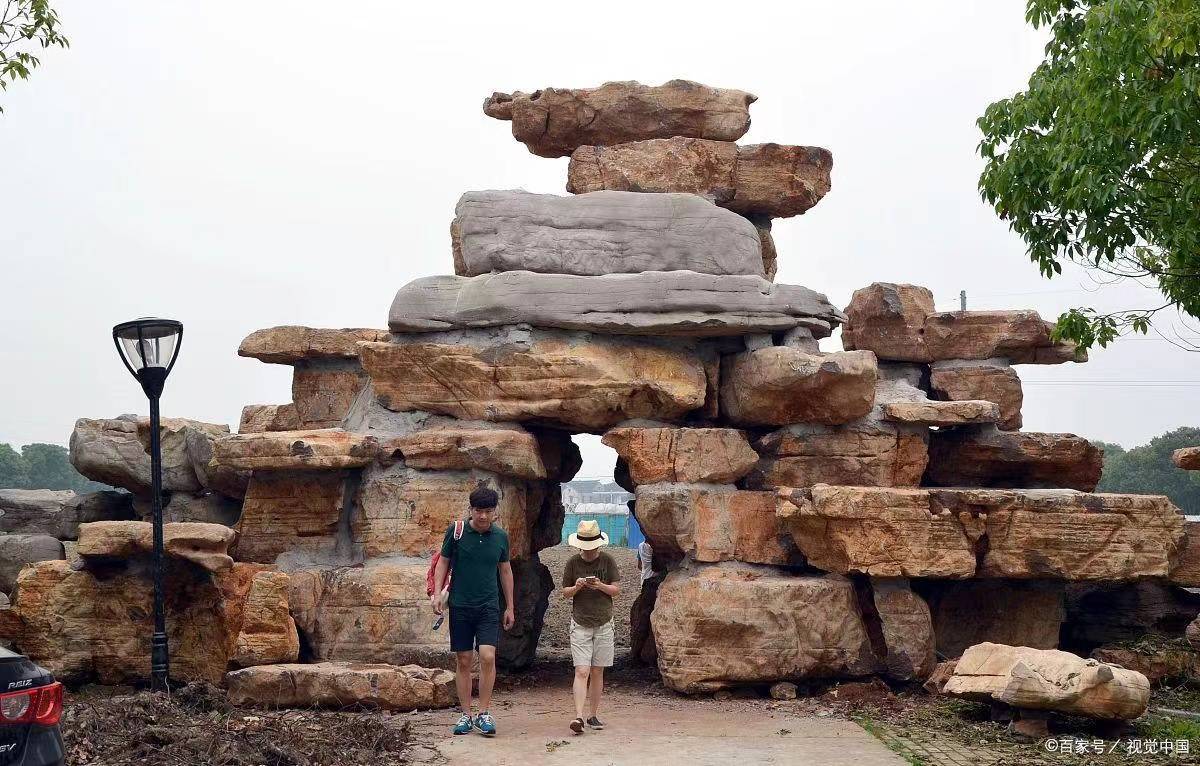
20 684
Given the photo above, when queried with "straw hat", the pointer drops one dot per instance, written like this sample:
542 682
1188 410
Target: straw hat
588 536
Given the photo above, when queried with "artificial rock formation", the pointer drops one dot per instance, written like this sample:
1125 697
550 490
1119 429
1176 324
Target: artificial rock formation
764 179
688 455
343 684
553 122
1187 458
987 457
1047 679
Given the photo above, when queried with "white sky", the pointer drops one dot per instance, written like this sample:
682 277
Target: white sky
249 165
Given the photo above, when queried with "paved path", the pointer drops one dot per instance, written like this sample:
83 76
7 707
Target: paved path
647 730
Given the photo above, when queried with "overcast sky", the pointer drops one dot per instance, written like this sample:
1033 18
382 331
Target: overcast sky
250 165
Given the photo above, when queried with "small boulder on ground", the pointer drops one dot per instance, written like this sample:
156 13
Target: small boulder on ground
343 684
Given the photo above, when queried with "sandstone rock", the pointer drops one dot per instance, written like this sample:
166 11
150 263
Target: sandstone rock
200 446
202 544
326 449
865 452
781 386
291 511
18 550
84 627
769 179
37 511
1016 612
1047 679
898 323
532 585
661 303
268 417
115 452
604 232
268 632
641 635
402 511
593 386
935 413
208 508
992 380
907 630
711 523
1187 569
509 452
942 673
184 444
1187 458
553 122
376 613
726 625
960 533
783 690
323 392
341 685
291 344
987 457
1157 665
1108 613
690 455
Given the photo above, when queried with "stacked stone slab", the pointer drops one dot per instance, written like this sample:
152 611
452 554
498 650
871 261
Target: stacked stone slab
814 514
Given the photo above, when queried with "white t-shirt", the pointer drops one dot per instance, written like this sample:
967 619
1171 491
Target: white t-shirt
647 555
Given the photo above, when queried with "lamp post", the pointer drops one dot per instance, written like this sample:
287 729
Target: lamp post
149 347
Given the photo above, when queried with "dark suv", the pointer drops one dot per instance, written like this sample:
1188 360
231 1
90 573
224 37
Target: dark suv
31 703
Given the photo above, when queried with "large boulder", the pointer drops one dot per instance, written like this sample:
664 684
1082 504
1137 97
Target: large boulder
780 385
961 533
374 613
37 511
18 550
906 628
988 457
268 417
590 386
83 626
711 523
773 180
1187 458
553 122
660 303
292 512
204 545
507 451
726 625
992 380
268 633
1157 663
342 685
941 414
690 455
898 323
1048 679
323 449
866 452
601 233
1014 612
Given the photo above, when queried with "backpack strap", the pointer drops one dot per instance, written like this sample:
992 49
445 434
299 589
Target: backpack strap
458 529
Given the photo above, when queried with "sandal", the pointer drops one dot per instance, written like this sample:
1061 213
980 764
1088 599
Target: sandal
577 726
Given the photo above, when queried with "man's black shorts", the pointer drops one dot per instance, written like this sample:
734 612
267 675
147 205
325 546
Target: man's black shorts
471 627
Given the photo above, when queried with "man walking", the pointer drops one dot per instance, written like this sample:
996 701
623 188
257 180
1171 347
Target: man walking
476 556
589 580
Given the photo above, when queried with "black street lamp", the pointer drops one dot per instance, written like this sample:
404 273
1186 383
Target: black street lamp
148 347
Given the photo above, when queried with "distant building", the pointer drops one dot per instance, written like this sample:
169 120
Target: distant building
600 500
603 491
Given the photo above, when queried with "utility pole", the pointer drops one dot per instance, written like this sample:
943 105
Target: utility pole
962 299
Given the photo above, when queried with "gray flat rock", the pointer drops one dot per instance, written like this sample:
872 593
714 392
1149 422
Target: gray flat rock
675 303
603 232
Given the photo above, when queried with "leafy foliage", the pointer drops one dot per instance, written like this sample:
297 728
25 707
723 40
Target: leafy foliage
1148 470
1098 161
42 466
25 25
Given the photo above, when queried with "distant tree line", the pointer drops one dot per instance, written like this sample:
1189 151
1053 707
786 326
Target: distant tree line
1148 470
41 466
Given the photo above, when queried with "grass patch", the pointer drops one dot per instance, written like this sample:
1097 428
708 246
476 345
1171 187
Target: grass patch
890 742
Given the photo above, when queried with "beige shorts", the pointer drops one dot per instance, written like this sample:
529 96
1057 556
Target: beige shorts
592 647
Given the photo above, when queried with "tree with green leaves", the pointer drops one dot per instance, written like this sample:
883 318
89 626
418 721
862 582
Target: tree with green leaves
1148 470
42 466
1097 162
25 26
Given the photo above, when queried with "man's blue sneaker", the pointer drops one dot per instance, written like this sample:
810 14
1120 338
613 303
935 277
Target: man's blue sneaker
486 724
464 724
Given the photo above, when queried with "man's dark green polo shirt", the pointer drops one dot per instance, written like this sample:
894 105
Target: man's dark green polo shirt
475 556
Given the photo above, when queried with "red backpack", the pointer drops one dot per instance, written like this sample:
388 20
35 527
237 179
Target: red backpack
437 556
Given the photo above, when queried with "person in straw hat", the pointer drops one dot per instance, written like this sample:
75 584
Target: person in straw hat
590 581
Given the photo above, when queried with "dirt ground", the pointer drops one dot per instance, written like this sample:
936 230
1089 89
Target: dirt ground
558 615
